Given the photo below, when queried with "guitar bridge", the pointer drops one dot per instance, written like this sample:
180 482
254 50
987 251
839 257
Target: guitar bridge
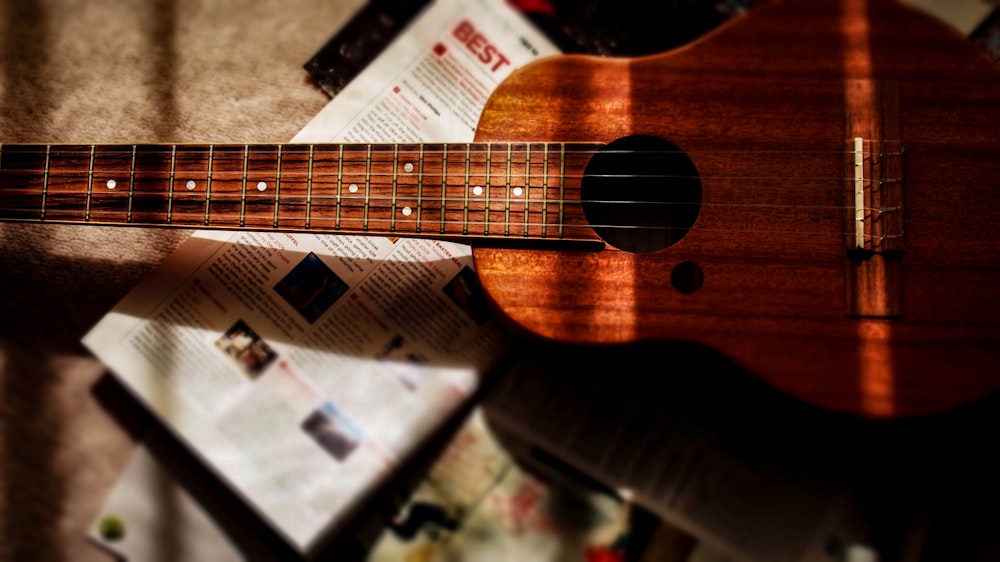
877 197
874 201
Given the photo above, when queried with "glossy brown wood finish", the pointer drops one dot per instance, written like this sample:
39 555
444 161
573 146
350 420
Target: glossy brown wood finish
761 107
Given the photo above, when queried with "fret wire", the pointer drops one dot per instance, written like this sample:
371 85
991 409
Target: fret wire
170 185
545 189
506 208
277 185
309 187
340 184
45 180
465 222
527 184
444 183
420 185
486 206
395 171
208 182
90 185
562 186
368 177
131 186
243 193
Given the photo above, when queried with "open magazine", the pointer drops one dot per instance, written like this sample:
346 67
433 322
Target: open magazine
304 369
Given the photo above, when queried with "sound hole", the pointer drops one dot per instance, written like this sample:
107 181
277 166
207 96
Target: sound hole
641 193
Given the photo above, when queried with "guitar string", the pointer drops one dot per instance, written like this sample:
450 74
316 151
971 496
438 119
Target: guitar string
360 156
237 163
237 159
455 150
183 218
432 203
536 229
330 177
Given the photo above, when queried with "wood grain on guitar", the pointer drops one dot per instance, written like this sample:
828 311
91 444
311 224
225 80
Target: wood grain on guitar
767 108
809 189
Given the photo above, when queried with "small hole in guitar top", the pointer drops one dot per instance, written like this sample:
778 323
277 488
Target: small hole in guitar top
641 193
687 277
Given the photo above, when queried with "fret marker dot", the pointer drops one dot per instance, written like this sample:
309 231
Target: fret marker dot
261 186
408 167
353 188
518 191
478 190
190 185
112 184
407 211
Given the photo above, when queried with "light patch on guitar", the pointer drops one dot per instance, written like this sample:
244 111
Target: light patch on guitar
262 186
112 184
856 33
190 185
876 382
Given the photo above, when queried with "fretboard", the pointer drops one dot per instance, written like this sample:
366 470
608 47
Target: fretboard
450 191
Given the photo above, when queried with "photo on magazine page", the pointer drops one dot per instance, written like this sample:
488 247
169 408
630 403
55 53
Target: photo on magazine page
331 429
311 287
244 346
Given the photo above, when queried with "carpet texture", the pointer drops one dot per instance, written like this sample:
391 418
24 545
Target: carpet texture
108 71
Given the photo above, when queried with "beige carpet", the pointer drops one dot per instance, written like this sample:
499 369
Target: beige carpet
105 71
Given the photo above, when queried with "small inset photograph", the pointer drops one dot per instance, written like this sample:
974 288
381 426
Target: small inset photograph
311 287
467 293
247 349
329 427
407 365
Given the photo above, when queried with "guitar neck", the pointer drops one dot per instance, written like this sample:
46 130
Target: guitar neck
469 192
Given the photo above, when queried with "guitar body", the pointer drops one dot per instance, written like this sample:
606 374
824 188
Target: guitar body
766 107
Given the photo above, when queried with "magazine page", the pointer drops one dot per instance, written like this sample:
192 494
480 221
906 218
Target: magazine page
304 369
477 503
432 82
133 525
963 15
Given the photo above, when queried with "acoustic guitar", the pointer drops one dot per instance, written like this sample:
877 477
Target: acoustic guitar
811 189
